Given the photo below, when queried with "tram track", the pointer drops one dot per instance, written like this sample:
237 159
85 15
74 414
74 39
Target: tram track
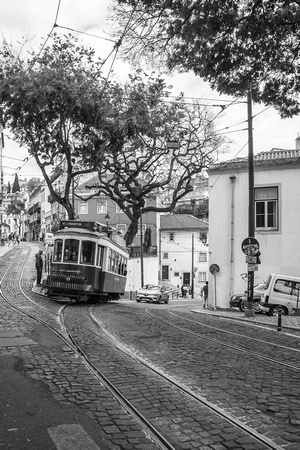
66 337
123 363
286 352
185 395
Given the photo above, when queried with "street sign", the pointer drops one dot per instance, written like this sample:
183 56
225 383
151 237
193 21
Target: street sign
214 268
251 259
252 267
250 246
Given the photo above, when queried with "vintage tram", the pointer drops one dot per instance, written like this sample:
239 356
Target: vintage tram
89 263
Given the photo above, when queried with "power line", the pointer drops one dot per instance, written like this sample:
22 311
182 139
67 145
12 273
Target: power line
84 32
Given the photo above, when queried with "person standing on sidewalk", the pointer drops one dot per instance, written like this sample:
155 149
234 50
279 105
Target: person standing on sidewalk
205 294
39 267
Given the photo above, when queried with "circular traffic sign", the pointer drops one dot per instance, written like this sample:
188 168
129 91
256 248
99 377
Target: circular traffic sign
214 268
250 246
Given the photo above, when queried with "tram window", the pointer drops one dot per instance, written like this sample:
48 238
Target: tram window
87 252
57 250
100 256
71 250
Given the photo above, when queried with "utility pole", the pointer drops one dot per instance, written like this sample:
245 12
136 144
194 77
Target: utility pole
249 312
1 177
192 285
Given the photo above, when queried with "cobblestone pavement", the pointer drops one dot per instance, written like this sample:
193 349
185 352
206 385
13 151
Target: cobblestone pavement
56 388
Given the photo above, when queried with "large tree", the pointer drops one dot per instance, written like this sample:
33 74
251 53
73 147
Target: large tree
157 147
236 45
50 103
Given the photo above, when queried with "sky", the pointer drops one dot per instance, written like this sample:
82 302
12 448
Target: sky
33 20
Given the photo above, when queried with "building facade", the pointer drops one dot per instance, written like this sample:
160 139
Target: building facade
276 214
183 251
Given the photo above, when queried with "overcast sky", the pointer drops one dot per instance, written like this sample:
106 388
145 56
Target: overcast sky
34 20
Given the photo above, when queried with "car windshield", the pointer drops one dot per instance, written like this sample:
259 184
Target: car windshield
151 286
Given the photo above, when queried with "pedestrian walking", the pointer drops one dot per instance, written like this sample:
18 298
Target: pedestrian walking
39 267
205 294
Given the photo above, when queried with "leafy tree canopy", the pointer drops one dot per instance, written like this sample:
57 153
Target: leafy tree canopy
235 45
157 146
32 184
51 103
16 207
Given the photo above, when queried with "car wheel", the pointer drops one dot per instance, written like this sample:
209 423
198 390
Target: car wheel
138 301
242 305
274 311
167 300
256 307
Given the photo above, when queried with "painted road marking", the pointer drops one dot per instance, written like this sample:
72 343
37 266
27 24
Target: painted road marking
71 437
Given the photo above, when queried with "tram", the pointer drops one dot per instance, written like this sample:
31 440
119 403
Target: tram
89 263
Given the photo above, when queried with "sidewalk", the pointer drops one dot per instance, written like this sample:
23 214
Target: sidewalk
291 322
5 248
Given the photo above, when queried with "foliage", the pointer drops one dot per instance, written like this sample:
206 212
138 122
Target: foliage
32 184
50 103
234 44
16 206
16 185
141 165
199 210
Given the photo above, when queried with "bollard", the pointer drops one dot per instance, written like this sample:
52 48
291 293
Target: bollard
279 318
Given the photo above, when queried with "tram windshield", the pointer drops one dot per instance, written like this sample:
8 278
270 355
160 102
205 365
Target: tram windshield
87 255
71 250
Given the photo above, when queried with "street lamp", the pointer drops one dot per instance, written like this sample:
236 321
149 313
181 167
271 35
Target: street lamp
107 219
203 238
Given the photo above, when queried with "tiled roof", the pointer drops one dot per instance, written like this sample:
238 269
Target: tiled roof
182 221
273 157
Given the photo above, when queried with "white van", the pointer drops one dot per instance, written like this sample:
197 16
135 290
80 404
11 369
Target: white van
280 291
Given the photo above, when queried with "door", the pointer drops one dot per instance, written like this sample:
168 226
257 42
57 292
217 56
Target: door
165 272
186 278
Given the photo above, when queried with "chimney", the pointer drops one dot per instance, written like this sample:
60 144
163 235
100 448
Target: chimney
298 142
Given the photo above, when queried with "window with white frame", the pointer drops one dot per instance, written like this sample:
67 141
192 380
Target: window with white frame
165 256
266 208
201 276
101 206
202 257
121 228
83 208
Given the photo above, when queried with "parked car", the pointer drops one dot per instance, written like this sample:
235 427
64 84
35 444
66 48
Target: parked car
153 293
173 290
239 300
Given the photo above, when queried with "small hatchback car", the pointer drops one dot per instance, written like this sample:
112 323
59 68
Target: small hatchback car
239 300
153 293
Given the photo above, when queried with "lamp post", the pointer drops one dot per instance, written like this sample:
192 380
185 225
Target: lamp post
106 229
193 274
142 251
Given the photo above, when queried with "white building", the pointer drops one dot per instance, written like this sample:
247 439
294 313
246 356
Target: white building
277 219
183 250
